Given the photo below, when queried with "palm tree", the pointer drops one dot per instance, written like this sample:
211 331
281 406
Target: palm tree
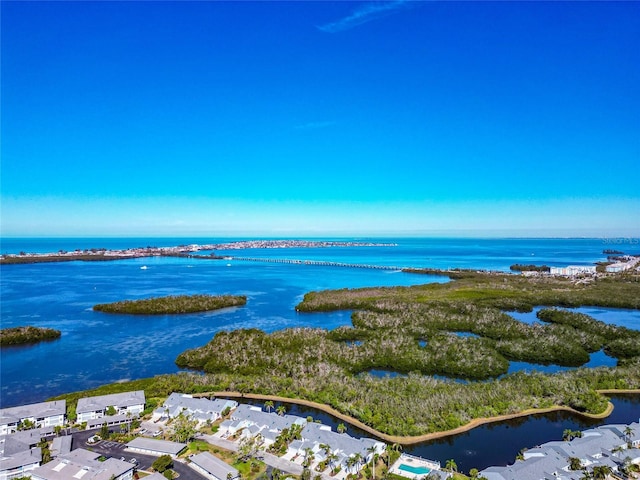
601 472
451 465
575 463
308 457
372 451
281 410
627 433
567 435
586 475
268 406
388 449
351 461
358 457
331 458
341 428
326 448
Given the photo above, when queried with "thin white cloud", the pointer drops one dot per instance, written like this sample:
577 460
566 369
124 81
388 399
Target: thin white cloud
364 14
314 125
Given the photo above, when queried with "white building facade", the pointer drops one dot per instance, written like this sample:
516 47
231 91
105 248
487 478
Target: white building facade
127 404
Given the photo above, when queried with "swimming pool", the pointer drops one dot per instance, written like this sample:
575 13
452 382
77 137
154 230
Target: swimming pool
416 470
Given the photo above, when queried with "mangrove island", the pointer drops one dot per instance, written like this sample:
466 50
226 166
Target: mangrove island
173 304
26 335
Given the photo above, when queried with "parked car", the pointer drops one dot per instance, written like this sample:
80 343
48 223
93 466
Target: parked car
94 439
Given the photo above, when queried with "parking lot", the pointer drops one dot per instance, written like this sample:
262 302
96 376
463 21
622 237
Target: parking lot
118 450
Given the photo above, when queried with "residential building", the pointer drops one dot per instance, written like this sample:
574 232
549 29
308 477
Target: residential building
342 445
20 463
124 405
40 415
19 452
609 445
573 270
200 409
82 464
252 420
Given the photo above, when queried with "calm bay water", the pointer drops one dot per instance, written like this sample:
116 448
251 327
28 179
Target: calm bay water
97 348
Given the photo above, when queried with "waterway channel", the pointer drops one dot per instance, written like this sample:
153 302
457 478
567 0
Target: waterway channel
495 443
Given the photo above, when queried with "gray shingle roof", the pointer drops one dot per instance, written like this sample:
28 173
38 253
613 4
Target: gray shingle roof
36 410
214 466
160 446
270 421
81 464
101 402
21 459
199 408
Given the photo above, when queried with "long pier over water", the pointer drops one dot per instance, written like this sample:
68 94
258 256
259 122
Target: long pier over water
320 263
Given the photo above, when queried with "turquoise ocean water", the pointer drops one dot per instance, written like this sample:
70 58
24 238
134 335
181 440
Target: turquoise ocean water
98 348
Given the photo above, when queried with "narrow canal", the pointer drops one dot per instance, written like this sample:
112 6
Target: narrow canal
497 443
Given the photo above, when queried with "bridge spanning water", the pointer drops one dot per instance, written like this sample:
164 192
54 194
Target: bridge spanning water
319 263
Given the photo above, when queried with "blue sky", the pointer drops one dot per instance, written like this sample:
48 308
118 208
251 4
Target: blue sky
312 118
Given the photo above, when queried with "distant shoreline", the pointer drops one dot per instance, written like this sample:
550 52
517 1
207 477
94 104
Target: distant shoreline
102 254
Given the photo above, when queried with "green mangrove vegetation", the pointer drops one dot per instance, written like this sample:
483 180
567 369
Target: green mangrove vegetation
414 330
26 335
518 267
173 304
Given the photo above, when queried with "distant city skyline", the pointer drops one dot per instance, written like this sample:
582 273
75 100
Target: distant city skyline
286 119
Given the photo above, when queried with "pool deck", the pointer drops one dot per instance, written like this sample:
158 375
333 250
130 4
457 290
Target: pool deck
415 462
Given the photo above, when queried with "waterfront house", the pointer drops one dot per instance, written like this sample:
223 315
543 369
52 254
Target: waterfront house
212 467
602 446
199 409
85 465
39 415
124 406
629 433
255 421
341 445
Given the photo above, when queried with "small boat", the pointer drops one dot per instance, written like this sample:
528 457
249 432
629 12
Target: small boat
144 267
